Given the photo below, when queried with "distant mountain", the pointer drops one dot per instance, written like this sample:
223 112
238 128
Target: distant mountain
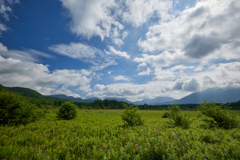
92 99
217 94
119 99
155 101
70 98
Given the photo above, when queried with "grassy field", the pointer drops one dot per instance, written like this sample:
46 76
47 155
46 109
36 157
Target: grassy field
98 134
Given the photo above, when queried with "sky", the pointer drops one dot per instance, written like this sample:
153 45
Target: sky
132 49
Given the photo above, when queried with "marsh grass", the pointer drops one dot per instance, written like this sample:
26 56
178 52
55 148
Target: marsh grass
99 135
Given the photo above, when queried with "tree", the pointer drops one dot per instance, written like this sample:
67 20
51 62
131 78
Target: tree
178 119
130 116
67 111
218 116
16 109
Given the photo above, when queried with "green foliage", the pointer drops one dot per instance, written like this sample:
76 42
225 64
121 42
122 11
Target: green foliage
131 117
101 136
67 111
178 119
218 116
165 115
15 109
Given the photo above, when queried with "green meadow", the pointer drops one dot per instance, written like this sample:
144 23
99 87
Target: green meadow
100 134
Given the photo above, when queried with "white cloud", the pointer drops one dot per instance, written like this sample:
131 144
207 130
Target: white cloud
135 92
3 11
119 53
30 55
206 31
86 72
92 17
38 77
164 59
85 53
139 12
85 89
120 90
118 37
121 78
67 92
2 28
147 72
222 75
109 72
104 18
3 48
192 85
142 64
175 82
13 1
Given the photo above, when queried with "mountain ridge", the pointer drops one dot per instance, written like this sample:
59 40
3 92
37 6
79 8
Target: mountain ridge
213 94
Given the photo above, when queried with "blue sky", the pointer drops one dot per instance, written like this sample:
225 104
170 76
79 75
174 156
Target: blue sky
131 49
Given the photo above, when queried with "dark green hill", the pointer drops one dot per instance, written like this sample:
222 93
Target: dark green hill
24 91
30 93
69 98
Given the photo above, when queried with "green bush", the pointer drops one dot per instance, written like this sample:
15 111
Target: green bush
15 109
178 119
67 111
218 116
165 115
131 117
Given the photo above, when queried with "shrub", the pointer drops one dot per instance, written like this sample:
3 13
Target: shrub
218 116
131 117
15 109
178 119
67 111
165 115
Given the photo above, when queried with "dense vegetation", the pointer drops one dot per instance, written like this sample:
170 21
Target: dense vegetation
67 111
131 117
115 134
16 109
100 135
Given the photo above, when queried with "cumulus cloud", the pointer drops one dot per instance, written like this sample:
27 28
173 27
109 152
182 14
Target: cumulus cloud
201 32
66 92
143 73
85 53
187 84
85 89
121 78
3 48
92 17
138 12
208 81
121 90
164 59
143 64
105 18
222 75
175 82
15 72
192 85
